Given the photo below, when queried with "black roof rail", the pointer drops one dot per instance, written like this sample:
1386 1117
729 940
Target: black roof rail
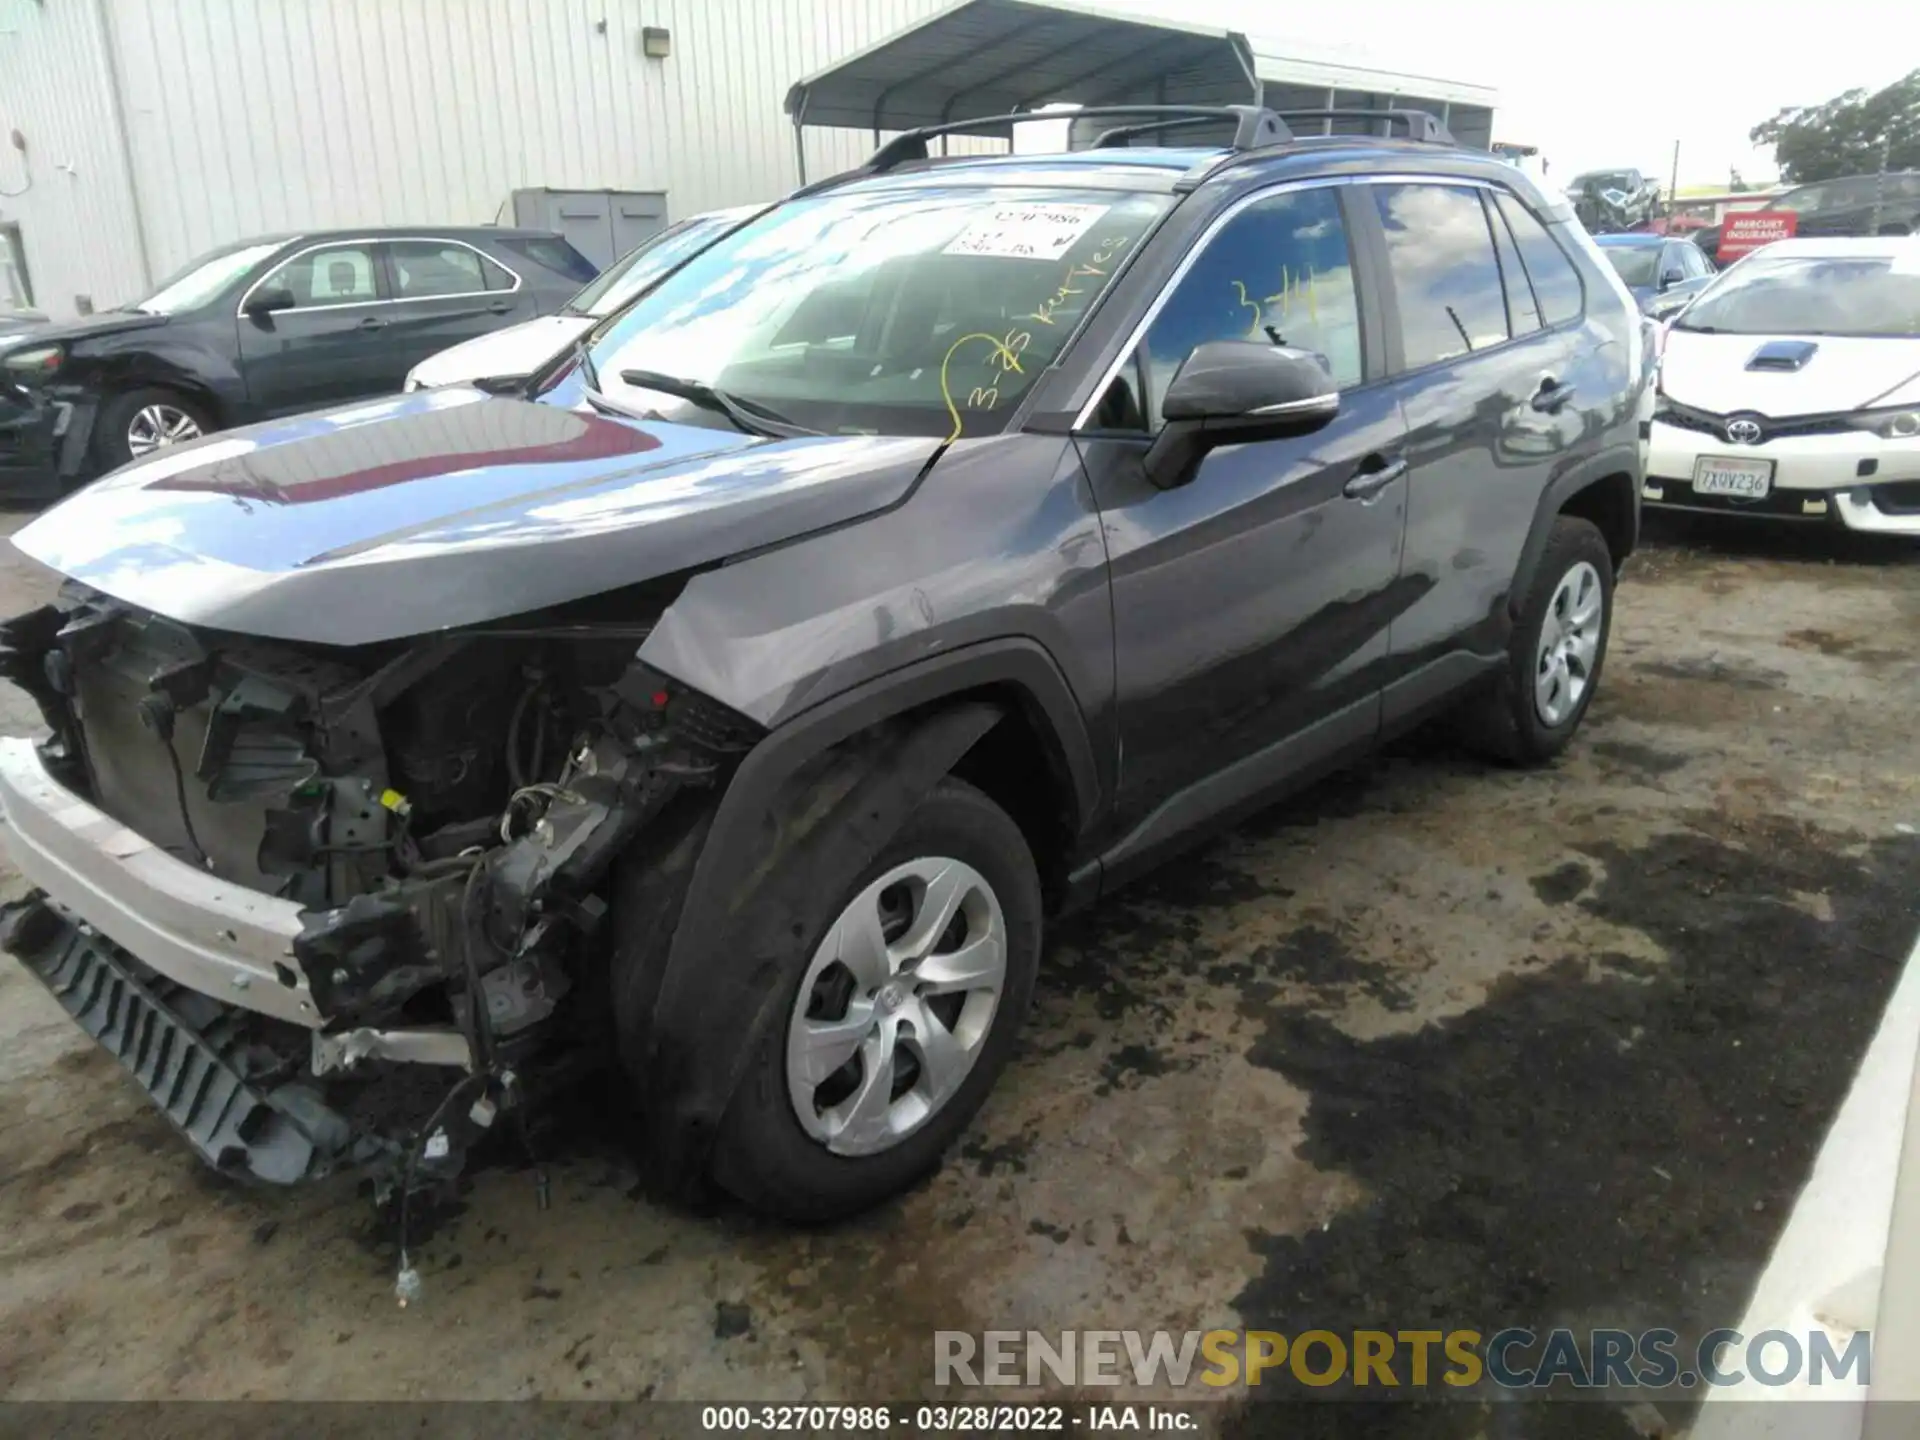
1422 125
1253 126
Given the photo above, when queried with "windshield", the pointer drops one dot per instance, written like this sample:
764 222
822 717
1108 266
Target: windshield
204 279
647 262
1854 295
900 312
1634 264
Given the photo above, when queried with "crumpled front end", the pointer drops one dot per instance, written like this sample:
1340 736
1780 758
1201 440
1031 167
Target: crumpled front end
335 908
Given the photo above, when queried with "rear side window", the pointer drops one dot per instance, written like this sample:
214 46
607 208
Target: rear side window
550 252
423 269
1445 276
1523 311
1556 284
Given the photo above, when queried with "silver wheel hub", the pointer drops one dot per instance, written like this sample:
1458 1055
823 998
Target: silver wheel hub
155 426
1569 644
896 1005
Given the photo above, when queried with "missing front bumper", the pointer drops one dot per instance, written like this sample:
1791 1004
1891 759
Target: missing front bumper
229 1080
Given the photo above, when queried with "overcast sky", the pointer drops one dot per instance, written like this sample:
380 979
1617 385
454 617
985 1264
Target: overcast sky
1607 84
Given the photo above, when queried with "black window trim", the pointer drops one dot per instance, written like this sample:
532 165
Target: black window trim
1495 216
377 245
1579 317
1136 337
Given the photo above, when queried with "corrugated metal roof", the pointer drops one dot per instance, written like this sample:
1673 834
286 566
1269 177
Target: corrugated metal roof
990 57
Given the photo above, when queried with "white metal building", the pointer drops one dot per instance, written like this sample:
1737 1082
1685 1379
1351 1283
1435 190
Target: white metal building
151 130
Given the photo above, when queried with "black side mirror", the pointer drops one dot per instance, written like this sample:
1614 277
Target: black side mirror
1670 278
269 298
1230 391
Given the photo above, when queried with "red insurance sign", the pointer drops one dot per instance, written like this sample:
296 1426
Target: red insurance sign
1748 230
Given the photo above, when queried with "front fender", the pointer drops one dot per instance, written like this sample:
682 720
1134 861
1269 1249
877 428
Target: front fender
805 808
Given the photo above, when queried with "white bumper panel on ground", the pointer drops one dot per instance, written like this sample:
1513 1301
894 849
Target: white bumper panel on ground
206 933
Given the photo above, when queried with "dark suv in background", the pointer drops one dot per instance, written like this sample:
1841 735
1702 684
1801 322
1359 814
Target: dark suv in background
1856 205
258 329
923 559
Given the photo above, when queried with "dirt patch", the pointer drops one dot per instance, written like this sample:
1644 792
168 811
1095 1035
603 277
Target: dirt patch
1597 1152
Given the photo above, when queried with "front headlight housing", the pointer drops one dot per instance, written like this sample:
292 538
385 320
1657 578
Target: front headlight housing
34 361
1900 422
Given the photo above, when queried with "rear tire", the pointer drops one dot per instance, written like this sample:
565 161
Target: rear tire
811 1136
136 423
1554 658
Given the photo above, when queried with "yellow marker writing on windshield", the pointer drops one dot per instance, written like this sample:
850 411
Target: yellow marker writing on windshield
1004 355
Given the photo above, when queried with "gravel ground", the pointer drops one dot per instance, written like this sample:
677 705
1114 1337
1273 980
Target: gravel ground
1434 1044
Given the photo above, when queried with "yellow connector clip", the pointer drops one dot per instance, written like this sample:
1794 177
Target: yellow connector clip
396 802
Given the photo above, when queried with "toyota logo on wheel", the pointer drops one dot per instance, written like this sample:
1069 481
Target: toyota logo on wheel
1743 432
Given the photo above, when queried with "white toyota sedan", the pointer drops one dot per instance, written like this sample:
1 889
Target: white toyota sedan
1791 389
519 350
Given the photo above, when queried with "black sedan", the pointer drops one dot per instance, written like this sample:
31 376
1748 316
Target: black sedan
1662 273
259 329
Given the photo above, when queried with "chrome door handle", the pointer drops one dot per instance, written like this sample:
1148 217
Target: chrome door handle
1551 395
1367 484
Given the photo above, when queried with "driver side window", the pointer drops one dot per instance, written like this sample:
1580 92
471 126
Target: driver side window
336 275
1278 272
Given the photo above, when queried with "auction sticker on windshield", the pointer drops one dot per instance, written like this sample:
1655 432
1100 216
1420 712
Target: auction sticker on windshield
1742 479
1026 232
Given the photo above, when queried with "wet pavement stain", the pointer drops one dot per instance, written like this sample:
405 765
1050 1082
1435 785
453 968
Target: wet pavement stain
1644 758
1562 884
1582 1151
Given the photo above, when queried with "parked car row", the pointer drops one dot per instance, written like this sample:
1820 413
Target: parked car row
921 559
260 329
283 324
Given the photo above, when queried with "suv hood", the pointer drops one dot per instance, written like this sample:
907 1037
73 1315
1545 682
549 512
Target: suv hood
446 508
1836 373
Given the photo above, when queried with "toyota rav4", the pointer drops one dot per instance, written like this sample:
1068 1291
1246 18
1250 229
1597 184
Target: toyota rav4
922 560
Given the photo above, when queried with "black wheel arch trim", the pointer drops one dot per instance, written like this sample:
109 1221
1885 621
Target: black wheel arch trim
1596 469
714 1000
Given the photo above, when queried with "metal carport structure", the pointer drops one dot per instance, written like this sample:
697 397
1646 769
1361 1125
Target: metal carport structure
995 57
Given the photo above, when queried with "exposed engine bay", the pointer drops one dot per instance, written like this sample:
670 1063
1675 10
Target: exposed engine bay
443 812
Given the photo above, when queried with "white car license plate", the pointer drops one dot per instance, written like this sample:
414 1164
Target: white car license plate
1742 479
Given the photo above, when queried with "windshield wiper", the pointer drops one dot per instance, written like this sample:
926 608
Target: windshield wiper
748 415
583 357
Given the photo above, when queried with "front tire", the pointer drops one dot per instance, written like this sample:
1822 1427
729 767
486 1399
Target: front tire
136 423
1554 658
899 1009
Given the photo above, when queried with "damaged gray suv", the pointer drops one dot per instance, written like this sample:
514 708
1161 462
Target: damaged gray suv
922 560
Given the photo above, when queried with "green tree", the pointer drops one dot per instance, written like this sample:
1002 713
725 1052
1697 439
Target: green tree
1845 135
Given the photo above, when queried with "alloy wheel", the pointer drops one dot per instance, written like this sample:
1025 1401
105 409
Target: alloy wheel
154 426
1569 644
896 1005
